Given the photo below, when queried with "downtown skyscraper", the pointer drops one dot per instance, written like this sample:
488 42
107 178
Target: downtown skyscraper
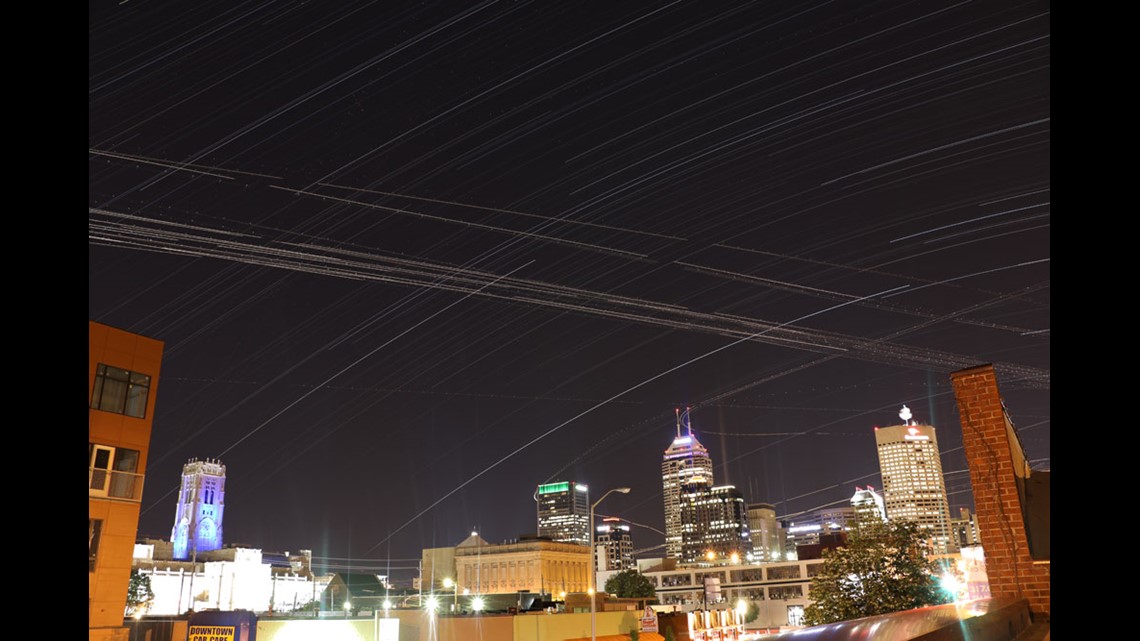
684 460
913 486
564 511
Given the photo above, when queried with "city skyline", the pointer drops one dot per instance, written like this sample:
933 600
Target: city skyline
409 262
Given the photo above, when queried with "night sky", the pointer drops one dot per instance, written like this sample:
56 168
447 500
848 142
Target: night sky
409 260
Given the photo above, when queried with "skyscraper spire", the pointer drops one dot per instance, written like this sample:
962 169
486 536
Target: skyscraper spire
685 459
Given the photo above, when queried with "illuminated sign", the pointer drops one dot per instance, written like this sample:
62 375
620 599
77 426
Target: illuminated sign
212 633
921 437
581 488
551 488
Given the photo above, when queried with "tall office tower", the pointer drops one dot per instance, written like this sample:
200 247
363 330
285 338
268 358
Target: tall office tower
122 378
868 505
714 523
201 502
613 537
913 486
564 512
766 532
685 459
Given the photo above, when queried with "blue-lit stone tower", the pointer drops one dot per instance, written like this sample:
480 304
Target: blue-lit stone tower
201 503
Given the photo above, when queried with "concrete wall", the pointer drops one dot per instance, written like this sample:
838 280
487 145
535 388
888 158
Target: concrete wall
995 460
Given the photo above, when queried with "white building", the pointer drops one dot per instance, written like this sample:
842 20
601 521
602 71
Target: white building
226 579
685 459
868 504
913 486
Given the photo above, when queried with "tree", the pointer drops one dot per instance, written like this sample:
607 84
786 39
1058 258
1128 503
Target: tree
630 584
139 594
752 612
883 568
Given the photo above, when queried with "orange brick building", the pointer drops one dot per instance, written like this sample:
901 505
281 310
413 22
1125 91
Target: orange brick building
122 382
1012 501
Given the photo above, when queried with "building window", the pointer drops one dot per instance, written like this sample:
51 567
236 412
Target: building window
120 391
94 527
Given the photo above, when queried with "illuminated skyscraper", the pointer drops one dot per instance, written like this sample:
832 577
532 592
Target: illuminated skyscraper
201 502
564 512
913 486
685 459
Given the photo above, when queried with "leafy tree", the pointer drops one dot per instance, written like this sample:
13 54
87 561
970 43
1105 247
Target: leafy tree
139 594
883 568
752 612
631 584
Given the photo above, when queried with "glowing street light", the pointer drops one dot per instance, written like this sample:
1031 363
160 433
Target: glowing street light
432 604
478 604
448 583
347 607
741 607
594 563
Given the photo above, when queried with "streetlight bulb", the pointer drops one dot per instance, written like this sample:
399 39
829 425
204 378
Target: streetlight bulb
432 604
477 603
387 604
447 583
590 591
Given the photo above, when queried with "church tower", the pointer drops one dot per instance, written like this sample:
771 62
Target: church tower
201 503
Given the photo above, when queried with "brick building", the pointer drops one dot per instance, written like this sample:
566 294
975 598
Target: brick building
1012 501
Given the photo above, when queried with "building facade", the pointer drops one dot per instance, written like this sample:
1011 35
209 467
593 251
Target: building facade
965 528
684 459
868 504
714 523
533 565
123 370
615 545
233 578
564 511
766 532
201 506
913 486
781 589
814 527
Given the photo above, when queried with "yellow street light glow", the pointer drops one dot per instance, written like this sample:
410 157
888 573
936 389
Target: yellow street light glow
477 603
447 583
432 604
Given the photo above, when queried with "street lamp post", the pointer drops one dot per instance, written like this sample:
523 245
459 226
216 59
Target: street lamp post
593 591
448 583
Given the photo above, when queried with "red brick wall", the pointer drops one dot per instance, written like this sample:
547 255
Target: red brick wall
990 455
